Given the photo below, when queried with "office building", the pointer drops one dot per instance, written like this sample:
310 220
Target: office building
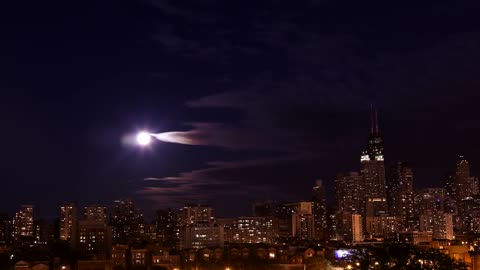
68 222
319 211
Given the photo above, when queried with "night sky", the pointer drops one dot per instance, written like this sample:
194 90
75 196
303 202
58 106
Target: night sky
262 97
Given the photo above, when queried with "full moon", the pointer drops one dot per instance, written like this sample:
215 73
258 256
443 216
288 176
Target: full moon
143 138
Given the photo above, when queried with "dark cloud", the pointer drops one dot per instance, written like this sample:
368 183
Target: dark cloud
209 185
303 93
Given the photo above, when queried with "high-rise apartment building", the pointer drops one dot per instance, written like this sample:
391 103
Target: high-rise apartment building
382 226
193 214
95 213
23 222
166 223
253 230
349 200
401 194
95 239
198 229
202 235
357 228
68 222
126 221
462 177
40 232
443 226
350 193
319 210
301 220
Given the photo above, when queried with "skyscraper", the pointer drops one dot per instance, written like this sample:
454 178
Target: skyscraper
254 230
68 222
301 220
167 227
401 195
95 212
375 140
127 222
462 173
465 185
350 193
373 168
23 222
193 214
94 236
357 228
198 229
349 200
461 188
319 210
95 239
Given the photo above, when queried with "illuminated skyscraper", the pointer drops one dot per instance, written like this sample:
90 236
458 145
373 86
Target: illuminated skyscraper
68 222
23 222
127 222
198 229
349 200
401 194
350 193
375 140
95 239
95 212
40 232
373 168
167 227
465 185
461 190
302 220
357 228
254 230
193 214
319 210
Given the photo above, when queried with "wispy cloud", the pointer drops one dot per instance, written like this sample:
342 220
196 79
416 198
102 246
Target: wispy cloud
226 179
303 92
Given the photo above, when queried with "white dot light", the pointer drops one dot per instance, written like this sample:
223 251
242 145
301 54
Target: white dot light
143 138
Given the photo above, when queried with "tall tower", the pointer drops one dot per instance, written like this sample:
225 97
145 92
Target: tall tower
461 178
126 221
23 222
167 227
68 222
375 140
373 170
401 195
319 209
350 193
349 200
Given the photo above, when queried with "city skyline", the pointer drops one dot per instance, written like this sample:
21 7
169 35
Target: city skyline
254 101
372 155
